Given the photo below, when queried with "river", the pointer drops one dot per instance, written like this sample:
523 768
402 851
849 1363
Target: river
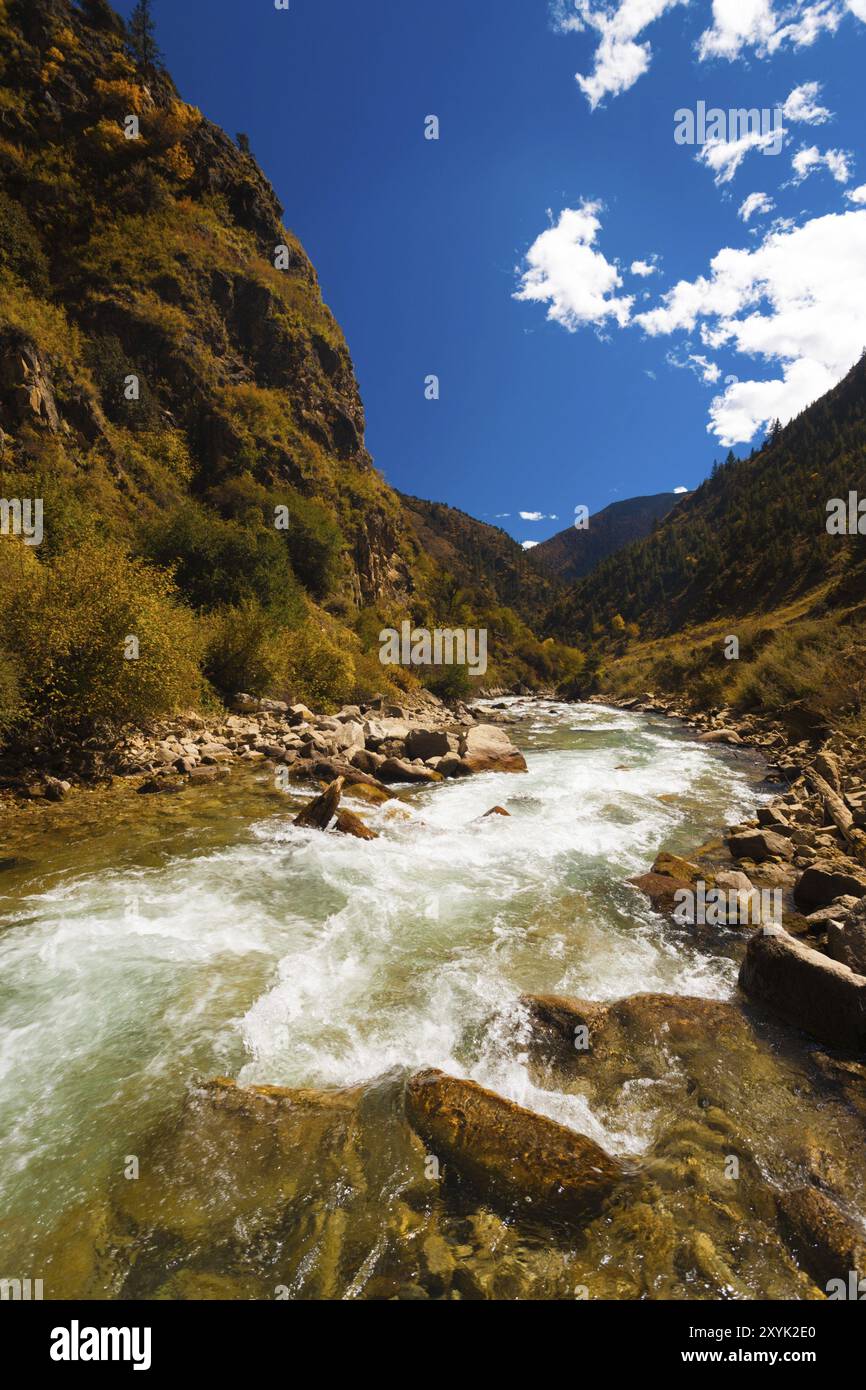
148 943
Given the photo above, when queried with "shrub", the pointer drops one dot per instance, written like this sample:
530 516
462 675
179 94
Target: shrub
67 627
20 248
320 671
244 650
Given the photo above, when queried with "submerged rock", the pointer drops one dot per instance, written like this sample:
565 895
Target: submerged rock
829 1244
806 989
509 1153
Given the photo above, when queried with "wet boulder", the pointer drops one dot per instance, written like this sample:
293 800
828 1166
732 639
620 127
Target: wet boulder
806 989
347 823
662 890
509 1154
487 748
319 813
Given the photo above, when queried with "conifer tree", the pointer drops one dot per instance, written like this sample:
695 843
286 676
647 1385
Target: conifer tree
142 37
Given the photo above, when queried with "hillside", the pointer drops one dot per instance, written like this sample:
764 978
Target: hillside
573 553
179 397
747 555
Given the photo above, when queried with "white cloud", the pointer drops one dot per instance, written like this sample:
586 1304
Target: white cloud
680 489
724 157
759 25
756 205
762 26
577 282
528 545
643 268
801 105
857 195
532 516
797 301
806 161
707 371
619 59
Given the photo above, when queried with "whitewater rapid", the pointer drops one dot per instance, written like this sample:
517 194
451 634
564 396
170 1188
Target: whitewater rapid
301 958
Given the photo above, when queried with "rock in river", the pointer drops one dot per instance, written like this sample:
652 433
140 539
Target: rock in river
806 989
319 813
509 1153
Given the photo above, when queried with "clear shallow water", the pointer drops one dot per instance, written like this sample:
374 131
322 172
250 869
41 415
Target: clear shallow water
148 942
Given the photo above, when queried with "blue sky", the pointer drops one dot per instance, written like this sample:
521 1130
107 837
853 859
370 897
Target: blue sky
557 179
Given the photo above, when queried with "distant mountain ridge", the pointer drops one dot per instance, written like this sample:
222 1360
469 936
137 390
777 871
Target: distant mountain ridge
573 553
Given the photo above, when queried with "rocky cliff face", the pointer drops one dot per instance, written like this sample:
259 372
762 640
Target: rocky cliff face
139 240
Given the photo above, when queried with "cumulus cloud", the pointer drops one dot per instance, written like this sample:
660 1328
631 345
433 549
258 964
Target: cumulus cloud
619 59
644 268
565 271
755 206
760 25
797 301
857 195
532 516
680 489
528 545
806 161
622 54
801 105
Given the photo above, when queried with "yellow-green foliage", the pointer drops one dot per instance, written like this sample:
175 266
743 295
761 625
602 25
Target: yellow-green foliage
66 625
320 668
42 321
245 649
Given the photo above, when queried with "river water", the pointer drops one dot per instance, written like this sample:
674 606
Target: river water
150 943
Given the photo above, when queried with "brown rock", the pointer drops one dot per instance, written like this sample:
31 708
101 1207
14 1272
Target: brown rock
347 823
487 748
758 845
806 989
828 1243
509 1153
318 814
661 889
496 811
399 770
826 880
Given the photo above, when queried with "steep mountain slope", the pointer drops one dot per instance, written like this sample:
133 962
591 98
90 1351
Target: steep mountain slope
572 553
748 556
753 536
481 557
176 393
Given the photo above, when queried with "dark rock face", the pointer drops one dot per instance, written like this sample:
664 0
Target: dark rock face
806 989
512 1154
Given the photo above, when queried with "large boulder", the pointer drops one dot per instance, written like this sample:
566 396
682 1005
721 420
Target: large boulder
758 845
348 737
846 940
825 880
806 989
378 731
486 748
510 1154
662 890
400 770
429 743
